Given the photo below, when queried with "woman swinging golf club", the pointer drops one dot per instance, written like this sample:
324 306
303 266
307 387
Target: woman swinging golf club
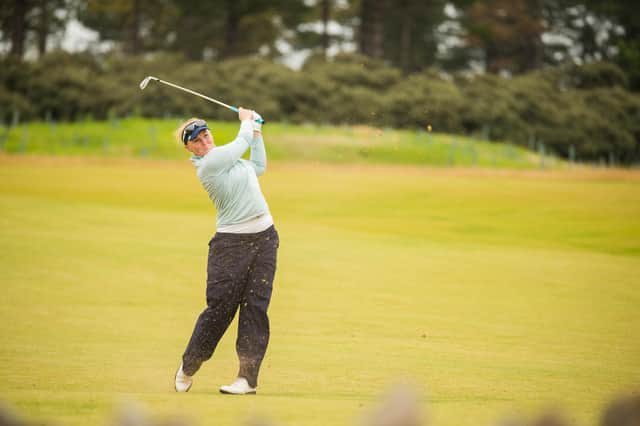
242 254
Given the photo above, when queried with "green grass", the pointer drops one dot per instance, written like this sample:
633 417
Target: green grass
153 138
492 291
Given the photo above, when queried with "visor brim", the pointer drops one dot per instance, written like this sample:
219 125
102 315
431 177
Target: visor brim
196 132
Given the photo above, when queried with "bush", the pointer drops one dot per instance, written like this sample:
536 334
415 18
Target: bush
14 81
489 108
587 107
422 99
597 75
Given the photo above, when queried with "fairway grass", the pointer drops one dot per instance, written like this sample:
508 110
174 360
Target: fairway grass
492 292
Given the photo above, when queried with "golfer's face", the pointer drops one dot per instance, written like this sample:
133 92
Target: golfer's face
201 144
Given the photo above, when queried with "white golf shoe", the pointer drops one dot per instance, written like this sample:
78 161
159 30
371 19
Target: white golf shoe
239 387
183 382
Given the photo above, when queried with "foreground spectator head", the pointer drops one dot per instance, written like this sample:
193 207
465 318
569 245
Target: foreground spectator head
400 406
623 411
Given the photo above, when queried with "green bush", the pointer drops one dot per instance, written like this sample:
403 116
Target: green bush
423 99
584 107
489 109
15 78
595 75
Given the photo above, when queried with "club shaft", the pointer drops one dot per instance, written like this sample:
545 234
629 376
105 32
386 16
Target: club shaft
232 108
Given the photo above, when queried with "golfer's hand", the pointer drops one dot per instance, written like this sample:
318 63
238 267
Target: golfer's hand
244 114
257 125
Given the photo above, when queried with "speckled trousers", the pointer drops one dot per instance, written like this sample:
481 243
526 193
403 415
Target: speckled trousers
240 272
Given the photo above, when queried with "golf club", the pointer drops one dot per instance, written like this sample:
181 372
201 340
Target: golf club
147 79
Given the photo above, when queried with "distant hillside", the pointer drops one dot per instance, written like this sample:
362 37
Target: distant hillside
328 144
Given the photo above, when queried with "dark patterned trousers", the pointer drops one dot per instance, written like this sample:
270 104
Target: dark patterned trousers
240 272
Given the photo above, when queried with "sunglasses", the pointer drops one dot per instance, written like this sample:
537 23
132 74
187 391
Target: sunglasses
191 127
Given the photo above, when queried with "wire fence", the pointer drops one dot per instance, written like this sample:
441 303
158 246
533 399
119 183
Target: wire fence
115 137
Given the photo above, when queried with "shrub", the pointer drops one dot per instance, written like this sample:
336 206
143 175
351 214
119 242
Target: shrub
423 99
587 107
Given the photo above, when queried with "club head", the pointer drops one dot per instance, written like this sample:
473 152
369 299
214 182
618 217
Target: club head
146 81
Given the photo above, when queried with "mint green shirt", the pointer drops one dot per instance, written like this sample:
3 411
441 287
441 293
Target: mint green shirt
232 182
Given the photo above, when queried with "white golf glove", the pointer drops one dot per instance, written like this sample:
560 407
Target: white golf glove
257 126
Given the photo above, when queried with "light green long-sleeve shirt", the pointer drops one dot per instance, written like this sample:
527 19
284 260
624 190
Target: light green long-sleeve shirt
232 182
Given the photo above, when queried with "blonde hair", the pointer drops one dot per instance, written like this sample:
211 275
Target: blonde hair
180 129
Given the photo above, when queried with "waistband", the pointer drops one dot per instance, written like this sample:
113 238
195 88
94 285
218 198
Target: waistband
252 226
240 237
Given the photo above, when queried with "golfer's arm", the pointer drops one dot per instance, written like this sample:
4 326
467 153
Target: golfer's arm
223 157
258 154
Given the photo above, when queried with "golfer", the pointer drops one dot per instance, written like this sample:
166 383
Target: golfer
242 254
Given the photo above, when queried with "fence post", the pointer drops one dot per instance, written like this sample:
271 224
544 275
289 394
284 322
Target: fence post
541 152
64 136
23 139
509 151
153 136
472 151
486 132
52 129
15 119
105 145
532 142
114 122
4 136
418 135
452 147
572 154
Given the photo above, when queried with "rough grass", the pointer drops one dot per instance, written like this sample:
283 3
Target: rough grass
492 291
326 144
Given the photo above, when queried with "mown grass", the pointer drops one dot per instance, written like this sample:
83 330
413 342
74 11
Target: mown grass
492 291
154 138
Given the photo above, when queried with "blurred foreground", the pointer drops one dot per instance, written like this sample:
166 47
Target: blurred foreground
399 406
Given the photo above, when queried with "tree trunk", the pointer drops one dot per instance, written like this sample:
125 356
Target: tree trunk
372 28
18 25
405 38
326 10
134 43
231 30
377 38
43 28
363 29
537 57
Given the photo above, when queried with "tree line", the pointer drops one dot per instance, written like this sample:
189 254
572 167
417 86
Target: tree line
575 111
506 37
